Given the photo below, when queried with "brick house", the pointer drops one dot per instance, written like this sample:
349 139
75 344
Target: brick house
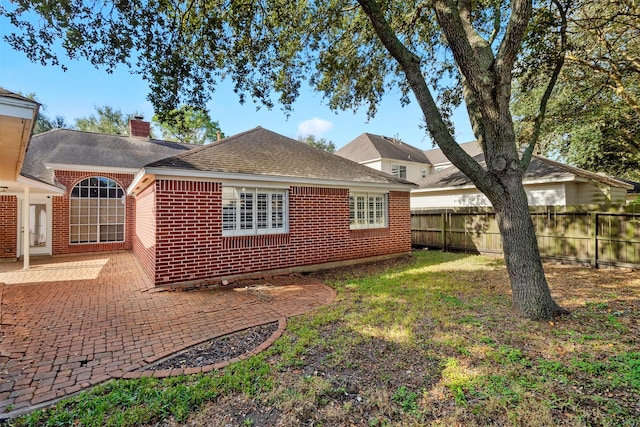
259 201
254 202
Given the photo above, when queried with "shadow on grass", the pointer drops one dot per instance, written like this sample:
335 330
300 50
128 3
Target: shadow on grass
431 340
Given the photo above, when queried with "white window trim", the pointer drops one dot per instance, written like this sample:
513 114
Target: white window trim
254 230
97 224
398 172
368 214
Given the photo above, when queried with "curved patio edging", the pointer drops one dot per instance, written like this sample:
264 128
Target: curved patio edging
164 373
72 322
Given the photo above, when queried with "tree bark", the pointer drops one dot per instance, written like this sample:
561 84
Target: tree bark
531 295
487 90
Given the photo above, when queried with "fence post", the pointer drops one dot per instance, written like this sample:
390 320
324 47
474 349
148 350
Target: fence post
594 239
443 227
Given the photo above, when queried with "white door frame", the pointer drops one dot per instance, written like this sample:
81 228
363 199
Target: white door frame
35 199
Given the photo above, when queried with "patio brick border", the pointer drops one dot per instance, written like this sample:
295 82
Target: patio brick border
52 397
164 373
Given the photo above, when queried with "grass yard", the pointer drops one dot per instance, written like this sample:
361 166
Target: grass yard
425 340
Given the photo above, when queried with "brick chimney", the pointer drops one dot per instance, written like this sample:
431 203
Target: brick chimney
138 128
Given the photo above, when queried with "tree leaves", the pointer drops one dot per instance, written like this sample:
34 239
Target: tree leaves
593 114
106 120
189 125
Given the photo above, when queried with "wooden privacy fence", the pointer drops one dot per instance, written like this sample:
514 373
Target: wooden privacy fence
594 238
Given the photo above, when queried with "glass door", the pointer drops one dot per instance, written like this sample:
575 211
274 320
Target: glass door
39 227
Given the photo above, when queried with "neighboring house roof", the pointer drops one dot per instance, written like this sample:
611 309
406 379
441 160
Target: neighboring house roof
260 152
634 184
436 156
77 149
368 147
540 170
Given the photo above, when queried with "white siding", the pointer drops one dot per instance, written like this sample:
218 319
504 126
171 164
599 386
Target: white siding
448 199
589 194
414 169
546 194
377 165
538 195
618 196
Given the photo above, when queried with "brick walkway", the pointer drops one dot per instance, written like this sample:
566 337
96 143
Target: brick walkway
74 321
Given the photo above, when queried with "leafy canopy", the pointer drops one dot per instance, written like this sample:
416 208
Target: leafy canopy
320 143
594 114
188 124
267 48
106 120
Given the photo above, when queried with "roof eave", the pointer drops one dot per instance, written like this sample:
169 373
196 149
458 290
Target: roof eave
40 185
450 188
90 168
136 186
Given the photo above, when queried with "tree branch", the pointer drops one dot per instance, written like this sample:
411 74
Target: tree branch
471 52
537 126
497 14
410 64
619 85
521 11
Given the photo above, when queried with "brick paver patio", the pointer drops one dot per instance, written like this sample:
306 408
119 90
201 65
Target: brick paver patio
71 322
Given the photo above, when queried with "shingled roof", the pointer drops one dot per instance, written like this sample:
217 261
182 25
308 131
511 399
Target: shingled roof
436 156
7 93
261 152
72 147
372 147
540 168
634 184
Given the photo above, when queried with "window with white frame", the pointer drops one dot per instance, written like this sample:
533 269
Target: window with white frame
423 172
248 211
399 171
368 210
97 211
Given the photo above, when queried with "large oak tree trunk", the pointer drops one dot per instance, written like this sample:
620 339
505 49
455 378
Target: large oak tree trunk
486 80
531 295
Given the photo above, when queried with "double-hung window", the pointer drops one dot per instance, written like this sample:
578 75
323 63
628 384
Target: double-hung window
249 211
399 171
368 210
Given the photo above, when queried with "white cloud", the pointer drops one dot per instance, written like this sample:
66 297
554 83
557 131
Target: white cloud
316 127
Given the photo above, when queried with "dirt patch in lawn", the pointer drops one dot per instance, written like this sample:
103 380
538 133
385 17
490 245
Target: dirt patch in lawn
431 339
428 339
467 360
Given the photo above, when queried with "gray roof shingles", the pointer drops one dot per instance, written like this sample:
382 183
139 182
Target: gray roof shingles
370 147
539 168
262 152
436 156
79 148
8 94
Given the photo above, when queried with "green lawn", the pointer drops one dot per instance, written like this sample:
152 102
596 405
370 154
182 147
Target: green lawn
426 340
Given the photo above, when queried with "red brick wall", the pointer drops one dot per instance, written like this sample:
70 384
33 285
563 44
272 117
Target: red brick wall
60 216
190 245
144 239
188 230
8 226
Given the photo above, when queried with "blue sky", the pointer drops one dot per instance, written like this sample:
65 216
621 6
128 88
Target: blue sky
75 93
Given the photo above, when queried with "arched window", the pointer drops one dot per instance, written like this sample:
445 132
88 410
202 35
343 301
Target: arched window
97 211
